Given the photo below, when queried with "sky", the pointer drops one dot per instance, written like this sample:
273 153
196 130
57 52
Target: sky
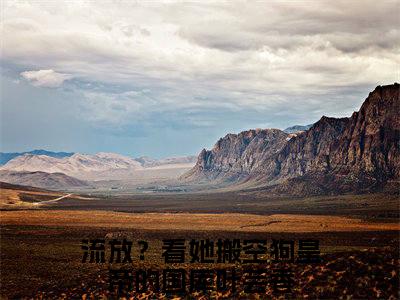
167 78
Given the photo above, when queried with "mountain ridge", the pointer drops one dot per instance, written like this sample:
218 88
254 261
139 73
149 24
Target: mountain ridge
7 156
51 181
99 166
359 149
81 166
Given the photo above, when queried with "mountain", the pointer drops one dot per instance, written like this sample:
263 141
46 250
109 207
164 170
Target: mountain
78 165
335 155
9 186
235 156
5 157
100 166
145 160
148 162
42 180
297 128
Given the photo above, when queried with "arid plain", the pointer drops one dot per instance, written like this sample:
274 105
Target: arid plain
41 238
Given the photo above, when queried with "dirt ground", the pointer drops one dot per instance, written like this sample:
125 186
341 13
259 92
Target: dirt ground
45 261
194 221
41 254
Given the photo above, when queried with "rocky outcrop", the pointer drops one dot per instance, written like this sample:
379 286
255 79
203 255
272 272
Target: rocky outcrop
358 152
235 156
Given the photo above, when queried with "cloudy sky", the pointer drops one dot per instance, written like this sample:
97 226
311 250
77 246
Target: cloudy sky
170 78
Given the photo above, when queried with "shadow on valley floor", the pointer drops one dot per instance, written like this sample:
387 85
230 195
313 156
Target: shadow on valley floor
371 206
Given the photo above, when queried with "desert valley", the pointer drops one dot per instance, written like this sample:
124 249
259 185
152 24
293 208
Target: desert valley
335 180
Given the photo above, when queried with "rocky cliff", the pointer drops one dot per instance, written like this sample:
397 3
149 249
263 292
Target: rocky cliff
335 154
235 156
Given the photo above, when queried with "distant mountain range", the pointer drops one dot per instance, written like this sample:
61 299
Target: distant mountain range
148 162
297 128
82 167
5 157
78 165
145 161
334 155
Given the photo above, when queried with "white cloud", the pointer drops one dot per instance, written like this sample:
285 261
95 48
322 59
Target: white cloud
45 78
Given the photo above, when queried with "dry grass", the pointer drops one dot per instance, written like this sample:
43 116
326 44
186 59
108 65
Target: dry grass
187 221
10 198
